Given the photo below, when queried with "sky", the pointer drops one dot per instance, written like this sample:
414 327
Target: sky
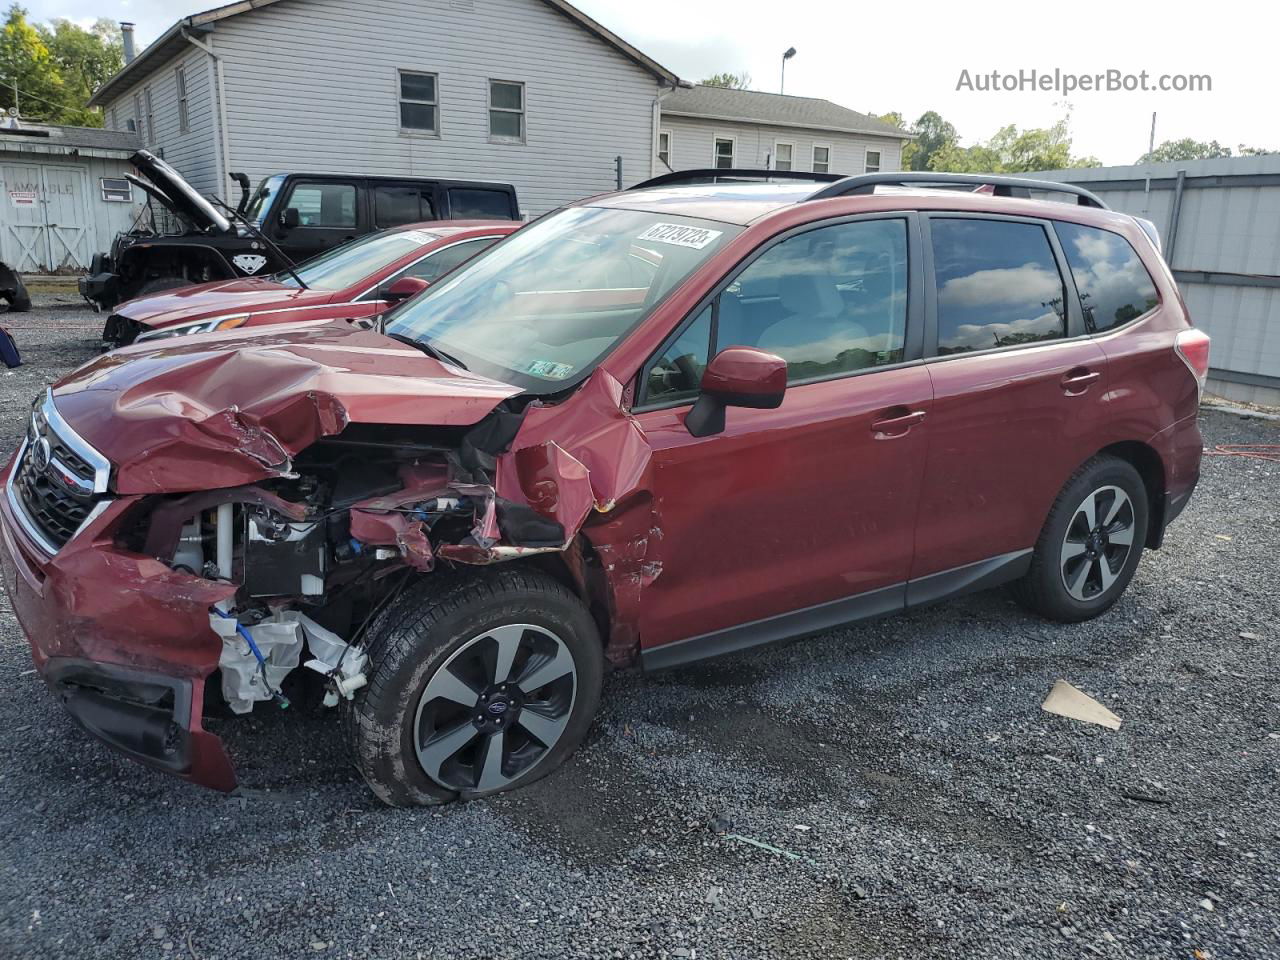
886 57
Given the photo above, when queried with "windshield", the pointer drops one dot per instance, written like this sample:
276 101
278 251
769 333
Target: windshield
542 307
352 262
260 202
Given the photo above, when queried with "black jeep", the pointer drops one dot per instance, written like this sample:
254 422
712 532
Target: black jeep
290 218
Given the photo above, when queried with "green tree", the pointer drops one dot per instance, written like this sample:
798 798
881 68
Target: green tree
27 63
931 134
1185 149
86 60
734 81
1244 151
1012 150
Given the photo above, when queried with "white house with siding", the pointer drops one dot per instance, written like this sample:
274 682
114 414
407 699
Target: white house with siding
718 127
63 195
528 92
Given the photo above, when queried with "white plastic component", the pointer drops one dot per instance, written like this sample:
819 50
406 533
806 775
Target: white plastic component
280 641
333 657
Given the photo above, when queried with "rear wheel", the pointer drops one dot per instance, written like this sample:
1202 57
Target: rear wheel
1090 544
480 683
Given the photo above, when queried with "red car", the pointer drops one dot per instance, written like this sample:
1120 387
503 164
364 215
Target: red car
651 427
359 279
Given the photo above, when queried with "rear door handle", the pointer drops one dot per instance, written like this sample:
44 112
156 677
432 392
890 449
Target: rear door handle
896 425
1079 379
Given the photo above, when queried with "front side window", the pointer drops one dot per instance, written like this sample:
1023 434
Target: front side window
542 308
343 266
1113 284
324 204
998 285
675 374
828 301
394 205
782 156
471 203
873 161
724 154
506 110
418 102
435 265
821 159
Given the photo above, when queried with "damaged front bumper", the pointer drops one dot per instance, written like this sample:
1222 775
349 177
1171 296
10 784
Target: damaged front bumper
123 641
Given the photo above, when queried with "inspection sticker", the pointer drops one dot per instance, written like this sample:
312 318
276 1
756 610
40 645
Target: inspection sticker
549 369
679 235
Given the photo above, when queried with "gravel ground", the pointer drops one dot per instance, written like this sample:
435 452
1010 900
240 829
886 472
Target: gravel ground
915 799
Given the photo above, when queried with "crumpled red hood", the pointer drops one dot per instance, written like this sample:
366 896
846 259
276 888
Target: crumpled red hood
205 412
207 300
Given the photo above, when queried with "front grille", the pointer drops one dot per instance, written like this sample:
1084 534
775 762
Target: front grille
56 487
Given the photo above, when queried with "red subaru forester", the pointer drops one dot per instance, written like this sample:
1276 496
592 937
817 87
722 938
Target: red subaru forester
655 426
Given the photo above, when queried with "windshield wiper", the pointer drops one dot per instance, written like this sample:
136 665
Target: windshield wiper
428 349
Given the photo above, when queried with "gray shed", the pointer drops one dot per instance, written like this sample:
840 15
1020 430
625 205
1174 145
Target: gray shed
64 194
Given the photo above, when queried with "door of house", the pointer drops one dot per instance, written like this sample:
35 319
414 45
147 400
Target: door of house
44 226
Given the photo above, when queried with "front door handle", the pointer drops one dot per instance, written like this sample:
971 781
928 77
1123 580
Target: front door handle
896 422
1078 379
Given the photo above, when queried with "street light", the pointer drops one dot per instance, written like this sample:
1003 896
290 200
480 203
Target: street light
791 52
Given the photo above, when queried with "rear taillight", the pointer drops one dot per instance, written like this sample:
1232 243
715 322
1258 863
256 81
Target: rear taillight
1193 347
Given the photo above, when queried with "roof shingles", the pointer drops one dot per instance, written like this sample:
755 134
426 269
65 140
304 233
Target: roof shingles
753 106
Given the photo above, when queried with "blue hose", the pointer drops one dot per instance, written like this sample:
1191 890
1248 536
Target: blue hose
262 661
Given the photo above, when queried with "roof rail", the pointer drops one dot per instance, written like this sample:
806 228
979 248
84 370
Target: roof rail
1004 186
733 175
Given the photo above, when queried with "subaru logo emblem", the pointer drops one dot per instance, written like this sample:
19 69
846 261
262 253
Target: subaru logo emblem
41 454
497 708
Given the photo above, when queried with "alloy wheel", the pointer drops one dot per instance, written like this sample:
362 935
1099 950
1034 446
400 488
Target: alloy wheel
1098 542
495 708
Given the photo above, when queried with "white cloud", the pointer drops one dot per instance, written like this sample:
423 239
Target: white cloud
1029 283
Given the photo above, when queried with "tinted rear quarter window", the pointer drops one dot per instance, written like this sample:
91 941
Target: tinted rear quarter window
1113 284
998 285
471 204
394 206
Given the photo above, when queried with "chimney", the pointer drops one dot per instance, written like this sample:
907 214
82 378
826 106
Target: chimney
126 33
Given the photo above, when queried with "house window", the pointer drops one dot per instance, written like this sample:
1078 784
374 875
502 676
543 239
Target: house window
116 189
664 148
873 161
418 102
184 118
821 159
506 110
724 153
782 155
151 117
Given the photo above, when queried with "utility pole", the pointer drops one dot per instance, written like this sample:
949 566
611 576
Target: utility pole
1151 143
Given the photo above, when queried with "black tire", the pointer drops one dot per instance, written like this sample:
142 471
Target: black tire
436 619
1045 589
158 284
20 302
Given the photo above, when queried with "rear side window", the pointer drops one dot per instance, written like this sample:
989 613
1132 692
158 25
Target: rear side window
324 204
1113 284
828 301
469 204
394 206
998 285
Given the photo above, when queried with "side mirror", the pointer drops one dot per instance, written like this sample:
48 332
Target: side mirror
404 288
290 218
736 377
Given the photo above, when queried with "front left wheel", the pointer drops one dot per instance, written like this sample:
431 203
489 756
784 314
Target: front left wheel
480 682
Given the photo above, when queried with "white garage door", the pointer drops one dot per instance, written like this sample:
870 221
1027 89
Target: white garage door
44 224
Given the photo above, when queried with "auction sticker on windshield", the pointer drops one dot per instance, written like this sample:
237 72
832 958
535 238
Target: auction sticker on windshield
549 369
680 235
